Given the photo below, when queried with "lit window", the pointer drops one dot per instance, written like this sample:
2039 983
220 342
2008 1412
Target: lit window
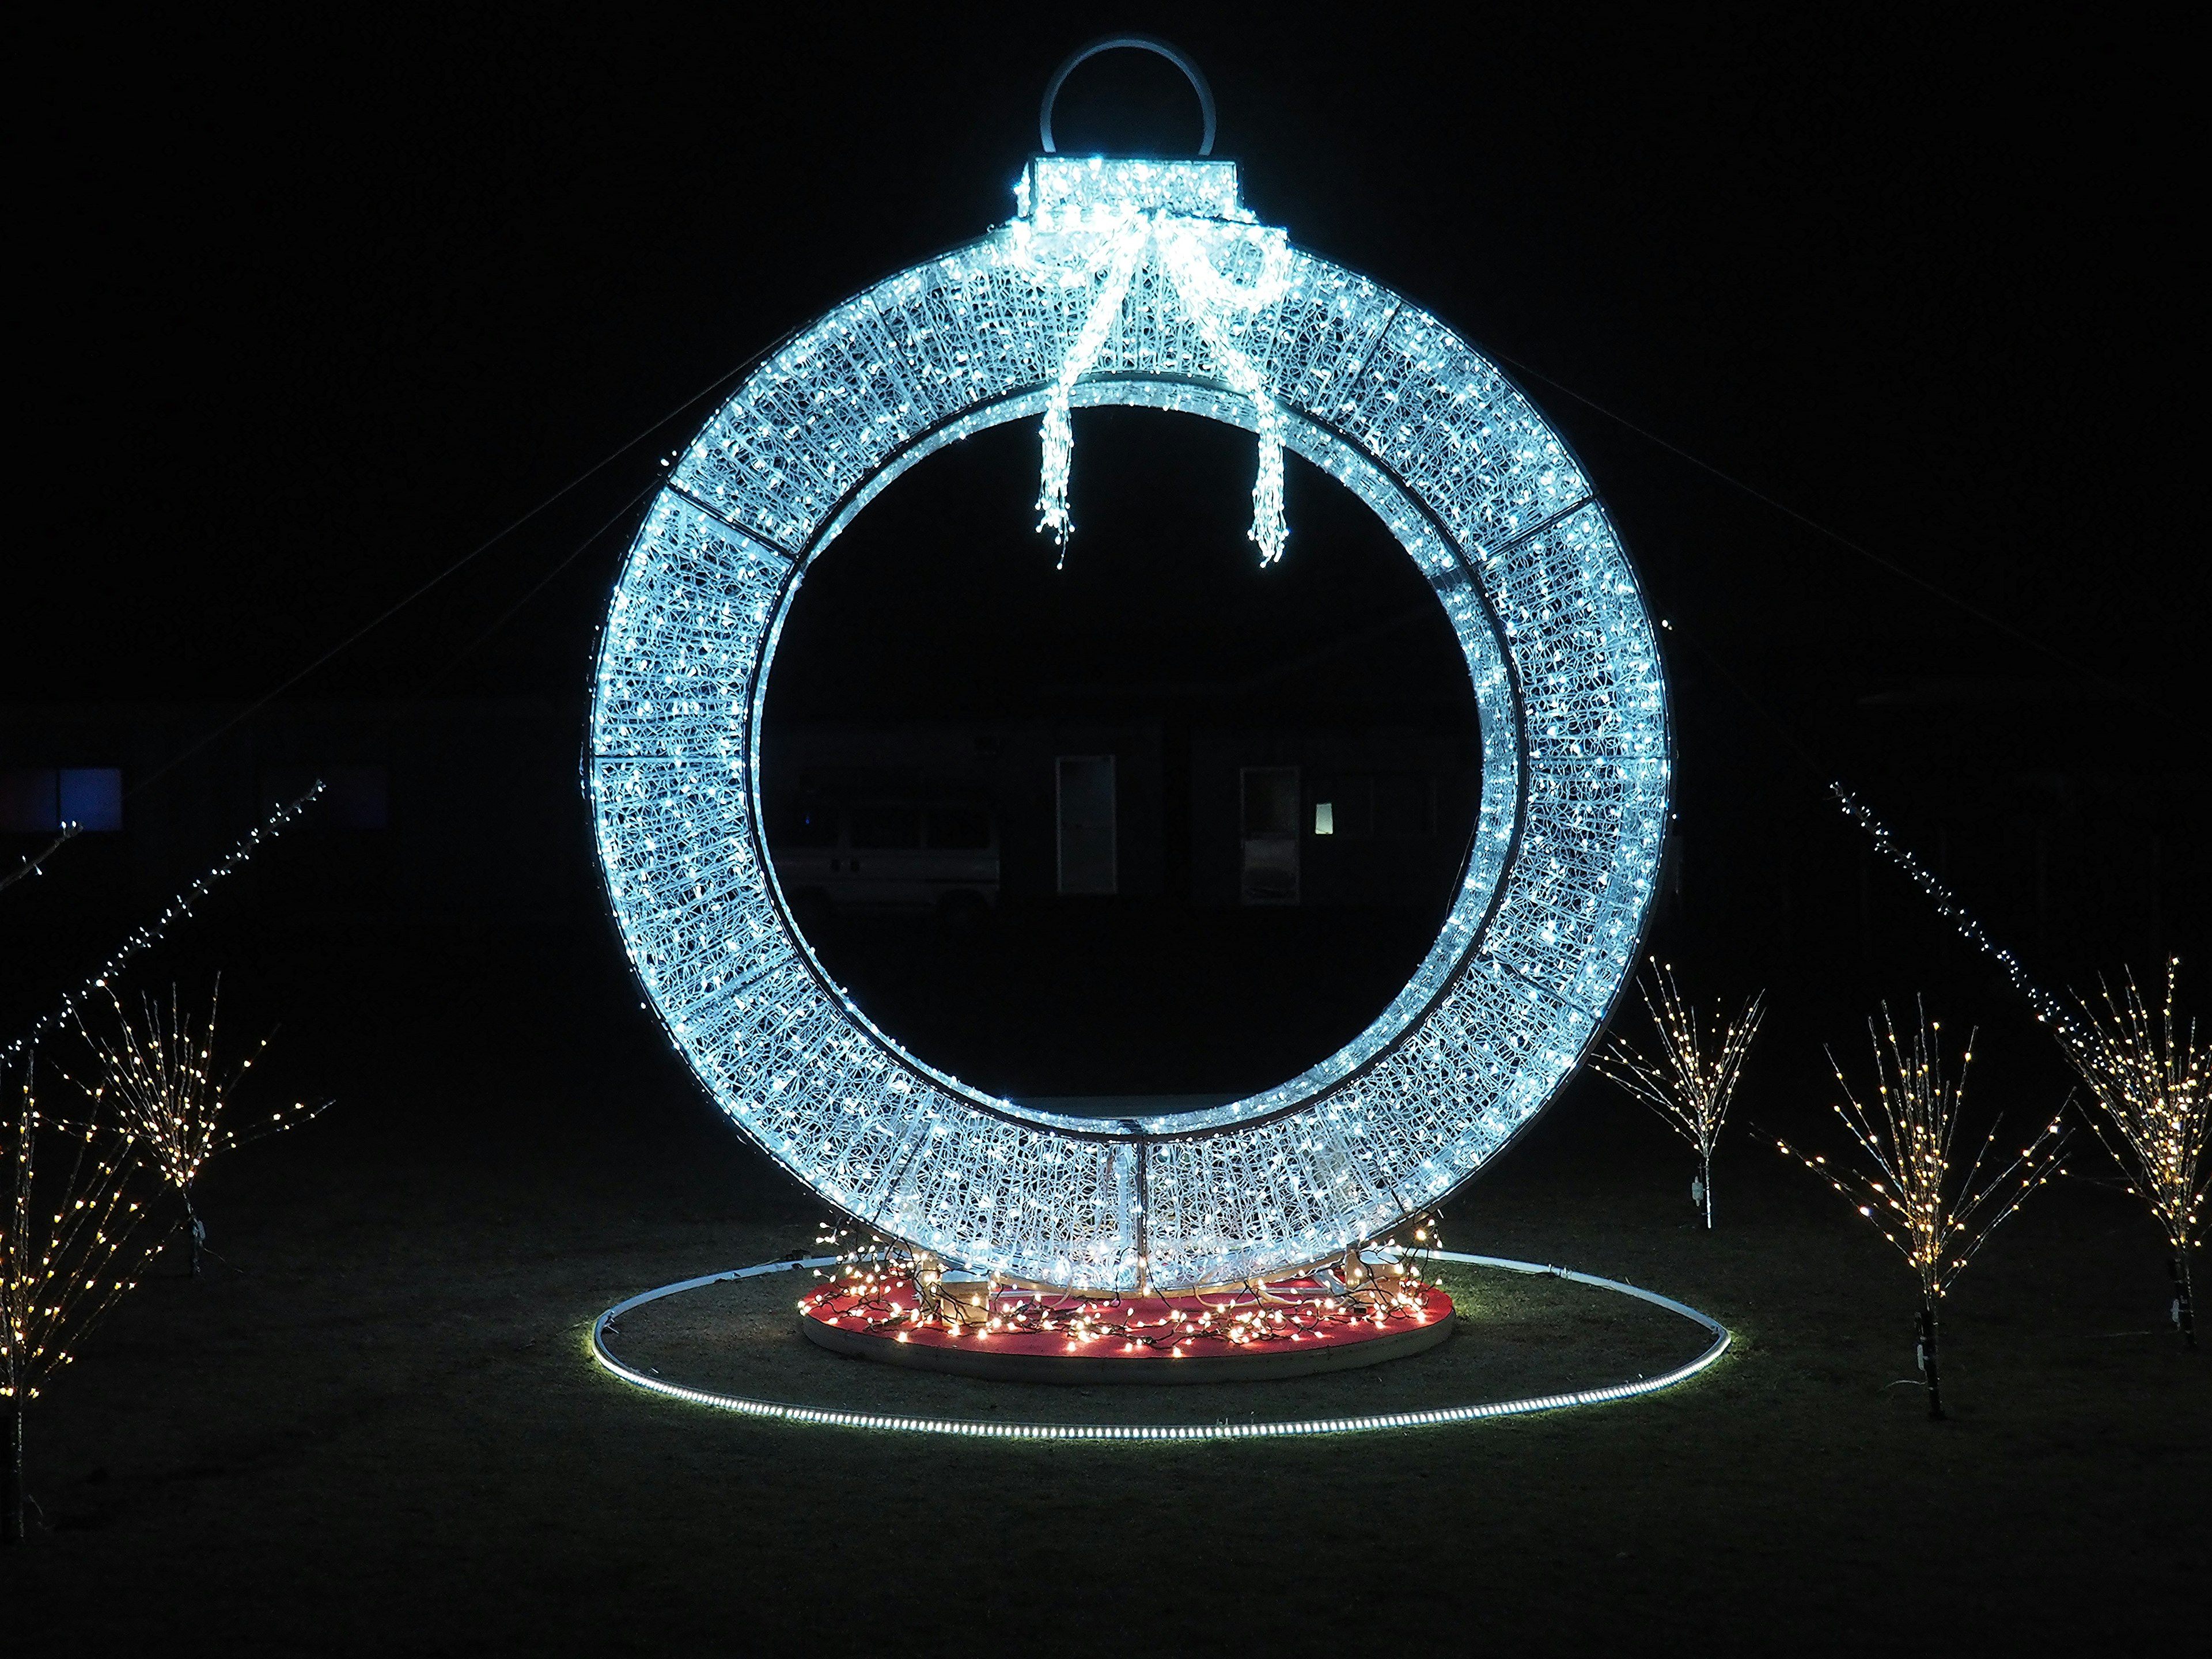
1385 805
91 797
41 800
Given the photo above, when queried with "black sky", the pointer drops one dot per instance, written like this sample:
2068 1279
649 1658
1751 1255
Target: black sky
314 303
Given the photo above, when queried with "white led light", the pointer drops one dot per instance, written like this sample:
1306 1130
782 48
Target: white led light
974 1428
1141 284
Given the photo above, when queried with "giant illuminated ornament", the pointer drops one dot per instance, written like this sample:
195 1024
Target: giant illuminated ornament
1146 284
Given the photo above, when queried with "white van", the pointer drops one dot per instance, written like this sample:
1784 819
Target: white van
883 852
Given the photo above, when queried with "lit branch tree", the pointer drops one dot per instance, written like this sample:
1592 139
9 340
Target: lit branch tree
71 1247
1688 1087
2152 1102
158 1080
1937 1213
71 1241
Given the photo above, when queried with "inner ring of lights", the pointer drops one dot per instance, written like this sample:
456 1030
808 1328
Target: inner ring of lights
1484 498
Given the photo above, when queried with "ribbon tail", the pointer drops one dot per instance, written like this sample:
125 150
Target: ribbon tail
1058 435
1058 431
1207 300
1270 531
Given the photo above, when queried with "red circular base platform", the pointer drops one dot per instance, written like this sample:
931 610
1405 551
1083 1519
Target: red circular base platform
1299 1328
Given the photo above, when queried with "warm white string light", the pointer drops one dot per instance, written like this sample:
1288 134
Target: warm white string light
1690 1089
881 1288
179 908
69 1248
32 863
1949 906
2151 1102
157 1079
73 1240
2153 1107
1936 1212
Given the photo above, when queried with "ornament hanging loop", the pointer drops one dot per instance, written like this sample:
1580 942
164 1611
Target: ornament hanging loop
1141 43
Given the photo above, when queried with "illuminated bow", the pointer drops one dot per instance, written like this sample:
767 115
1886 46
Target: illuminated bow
1185 248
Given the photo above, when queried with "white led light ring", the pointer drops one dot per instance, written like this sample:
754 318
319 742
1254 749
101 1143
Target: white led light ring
1493 510
1226 1428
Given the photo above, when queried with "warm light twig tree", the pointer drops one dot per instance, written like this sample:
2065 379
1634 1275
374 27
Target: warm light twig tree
2149 1080
158 1080
71 1234
1937 1210
72 1245
2150 1094
1689 1085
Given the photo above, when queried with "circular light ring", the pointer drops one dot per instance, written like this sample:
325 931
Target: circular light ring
1493 509
987 1429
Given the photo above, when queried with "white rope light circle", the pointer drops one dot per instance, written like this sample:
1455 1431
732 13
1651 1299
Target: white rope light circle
1717 1343
1143 284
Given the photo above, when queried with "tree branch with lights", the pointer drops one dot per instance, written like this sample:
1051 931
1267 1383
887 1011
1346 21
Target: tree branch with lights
72 1233
158 1079
2147 1078
1935 1211
1690 1088
71 1246
2150 1092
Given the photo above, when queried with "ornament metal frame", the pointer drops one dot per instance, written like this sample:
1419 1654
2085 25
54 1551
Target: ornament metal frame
1211 314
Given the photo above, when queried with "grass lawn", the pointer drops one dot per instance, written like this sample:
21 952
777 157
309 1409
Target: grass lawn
382 1434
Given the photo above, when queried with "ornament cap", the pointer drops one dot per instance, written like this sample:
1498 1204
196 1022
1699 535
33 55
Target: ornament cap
1069 192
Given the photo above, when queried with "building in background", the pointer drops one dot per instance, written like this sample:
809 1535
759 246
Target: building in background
1086 808
450 813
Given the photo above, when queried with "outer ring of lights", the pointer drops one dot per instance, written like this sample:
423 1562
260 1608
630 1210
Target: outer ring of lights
974 1428
1494 510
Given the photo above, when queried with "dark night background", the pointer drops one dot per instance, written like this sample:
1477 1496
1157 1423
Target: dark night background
312 304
